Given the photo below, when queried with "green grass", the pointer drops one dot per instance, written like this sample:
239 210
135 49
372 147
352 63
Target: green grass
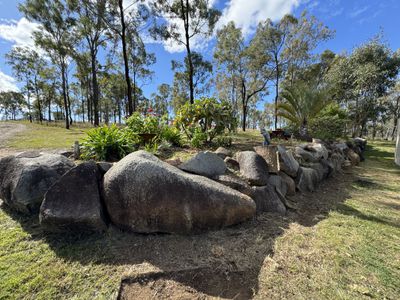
355 252
52 136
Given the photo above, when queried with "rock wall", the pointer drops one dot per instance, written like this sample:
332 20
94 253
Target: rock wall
143 194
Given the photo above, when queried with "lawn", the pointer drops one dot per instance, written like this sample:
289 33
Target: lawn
352 253
52 136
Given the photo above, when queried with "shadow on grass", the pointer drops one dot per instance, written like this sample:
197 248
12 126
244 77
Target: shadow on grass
223 263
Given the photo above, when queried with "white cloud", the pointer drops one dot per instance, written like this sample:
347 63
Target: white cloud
247 14
7 83
18 32
359 11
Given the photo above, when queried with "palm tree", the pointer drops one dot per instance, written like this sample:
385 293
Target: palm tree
301 103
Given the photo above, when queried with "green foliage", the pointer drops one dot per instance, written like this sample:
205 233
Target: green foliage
198 139
223 141
139 123
172 135
108 143
330 123
205 119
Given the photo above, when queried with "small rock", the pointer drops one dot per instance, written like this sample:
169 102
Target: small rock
205 163
232 163
223 152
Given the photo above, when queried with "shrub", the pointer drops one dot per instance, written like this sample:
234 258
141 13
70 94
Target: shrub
199 138
172 135
107 143
330 123
223 141
206 116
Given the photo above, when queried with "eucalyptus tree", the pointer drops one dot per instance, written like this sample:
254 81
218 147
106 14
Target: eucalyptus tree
91 26
288 44
123 21
180 22
28 64
55 36
361 80
11 103
248 65
202 69
161 99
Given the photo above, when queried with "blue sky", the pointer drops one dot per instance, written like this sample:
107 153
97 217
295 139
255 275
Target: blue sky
354 21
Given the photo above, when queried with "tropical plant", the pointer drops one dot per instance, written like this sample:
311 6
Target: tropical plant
206 116
301 103
108 143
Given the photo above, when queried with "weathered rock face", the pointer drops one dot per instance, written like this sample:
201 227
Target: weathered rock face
73 203
290 184
232 163
104 166
288 163
25 178
307 179
223 152
267 199
279 184
205 163
337 160
319 150
233 182
144 194
353 157
253 168
306 156
270 154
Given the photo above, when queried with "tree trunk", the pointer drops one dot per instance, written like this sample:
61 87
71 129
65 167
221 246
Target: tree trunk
64 88
38 101
397 153
276 92
185 15
95 87
131 106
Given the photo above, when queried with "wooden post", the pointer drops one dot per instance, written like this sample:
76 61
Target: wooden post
397 151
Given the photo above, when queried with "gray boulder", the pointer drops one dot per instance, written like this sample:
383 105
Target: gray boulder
104 166
353 157
336 160
270 154
253 168
26 177
287 162
232 163
205 163
279 184
73 203
319 150
234 182
267 199
306 156
223 152
290 184
307 179
144 194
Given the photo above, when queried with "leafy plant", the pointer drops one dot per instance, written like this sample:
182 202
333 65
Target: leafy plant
172 135
108 143
205 119
223 141
330 123
199 138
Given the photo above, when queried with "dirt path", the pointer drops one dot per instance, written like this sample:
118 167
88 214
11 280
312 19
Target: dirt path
8 131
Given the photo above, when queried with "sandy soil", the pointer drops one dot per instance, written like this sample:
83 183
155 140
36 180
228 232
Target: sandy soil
7 131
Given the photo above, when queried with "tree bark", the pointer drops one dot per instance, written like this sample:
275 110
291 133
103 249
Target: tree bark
185 15
64 88
276 92
95 87
397 153
131 105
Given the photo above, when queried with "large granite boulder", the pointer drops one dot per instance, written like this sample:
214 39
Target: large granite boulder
287 162
353 157
307 179
336 160
144 194
26 177
234 182
253 168
267 199
231 163
205 163
73 203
